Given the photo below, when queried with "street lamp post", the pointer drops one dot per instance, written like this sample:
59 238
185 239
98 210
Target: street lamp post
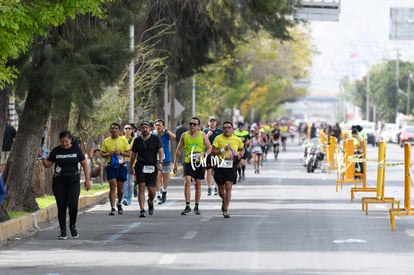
410 75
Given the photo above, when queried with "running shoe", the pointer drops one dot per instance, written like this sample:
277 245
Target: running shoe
150 208
142 213
125 202
159 198
186 210
120 210
209 191
196 210
62 236
135 191
164 196
226 215
215 191
112 213
74 232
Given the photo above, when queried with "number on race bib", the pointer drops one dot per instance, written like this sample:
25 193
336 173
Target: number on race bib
148 169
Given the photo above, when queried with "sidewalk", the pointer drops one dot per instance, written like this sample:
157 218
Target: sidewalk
34 221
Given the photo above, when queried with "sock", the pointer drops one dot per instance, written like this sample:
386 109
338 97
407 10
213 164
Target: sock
187 204
196 204
243 168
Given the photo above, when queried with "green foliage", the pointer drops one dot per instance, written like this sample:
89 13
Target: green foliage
386 92
20 21
257 76
110 107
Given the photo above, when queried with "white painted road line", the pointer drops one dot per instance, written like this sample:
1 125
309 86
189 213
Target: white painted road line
190 235
167 259
122 232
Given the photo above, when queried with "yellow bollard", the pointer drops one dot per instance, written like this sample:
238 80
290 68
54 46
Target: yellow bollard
407 176
363 176
331 154
380 182
346 173
407 210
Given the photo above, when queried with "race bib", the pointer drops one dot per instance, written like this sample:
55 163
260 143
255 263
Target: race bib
275 141
121 160
257 150
148 169
226 163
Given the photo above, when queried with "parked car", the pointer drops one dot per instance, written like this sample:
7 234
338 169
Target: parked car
407 135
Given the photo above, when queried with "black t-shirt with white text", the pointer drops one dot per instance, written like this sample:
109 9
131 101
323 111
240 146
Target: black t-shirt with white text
66 160
147 150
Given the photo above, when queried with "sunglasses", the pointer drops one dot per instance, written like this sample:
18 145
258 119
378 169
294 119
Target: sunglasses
127 128
193 124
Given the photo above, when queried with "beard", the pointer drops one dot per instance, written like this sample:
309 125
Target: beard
145 133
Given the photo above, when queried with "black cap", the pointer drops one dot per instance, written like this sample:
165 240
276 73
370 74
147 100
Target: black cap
145 123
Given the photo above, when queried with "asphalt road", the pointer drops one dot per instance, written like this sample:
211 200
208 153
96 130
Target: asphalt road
283 221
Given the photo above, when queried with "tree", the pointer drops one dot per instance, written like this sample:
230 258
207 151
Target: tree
201 26
21 20
64 68
258 76
385 90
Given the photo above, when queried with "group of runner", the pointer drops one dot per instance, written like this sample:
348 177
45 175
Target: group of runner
143 163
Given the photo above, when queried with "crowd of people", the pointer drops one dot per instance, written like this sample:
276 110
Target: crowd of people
137 161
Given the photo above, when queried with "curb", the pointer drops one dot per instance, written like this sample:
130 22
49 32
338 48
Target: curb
34 221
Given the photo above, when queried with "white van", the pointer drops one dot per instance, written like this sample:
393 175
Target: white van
389 132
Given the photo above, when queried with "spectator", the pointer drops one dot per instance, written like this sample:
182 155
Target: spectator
96 162
8 139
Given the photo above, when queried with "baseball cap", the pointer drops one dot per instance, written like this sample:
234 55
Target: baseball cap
145 123
211 118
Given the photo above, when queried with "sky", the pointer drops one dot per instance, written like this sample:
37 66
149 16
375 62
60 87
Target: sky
359 39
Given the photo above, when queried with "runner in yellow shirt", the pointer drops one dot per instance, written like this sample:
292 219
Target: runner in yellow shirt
229 149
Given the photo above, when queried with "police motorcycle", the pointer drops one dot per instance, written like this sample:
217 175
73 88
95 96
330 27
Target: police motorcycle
313 157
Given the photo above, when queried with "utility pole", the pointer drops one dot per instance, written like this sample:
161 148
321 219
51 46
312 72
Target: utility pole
131 76
409 94
367 100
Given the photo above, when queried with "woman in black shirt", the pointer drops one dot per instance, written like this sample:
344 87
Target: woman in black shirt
66 180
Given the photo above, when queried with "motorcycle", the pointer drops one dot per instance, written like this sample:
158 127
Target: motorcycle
313 157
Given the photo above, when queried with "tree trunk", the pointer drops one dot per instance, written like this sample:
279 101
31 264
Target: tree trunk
4 110
56 125
19 176
4 107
